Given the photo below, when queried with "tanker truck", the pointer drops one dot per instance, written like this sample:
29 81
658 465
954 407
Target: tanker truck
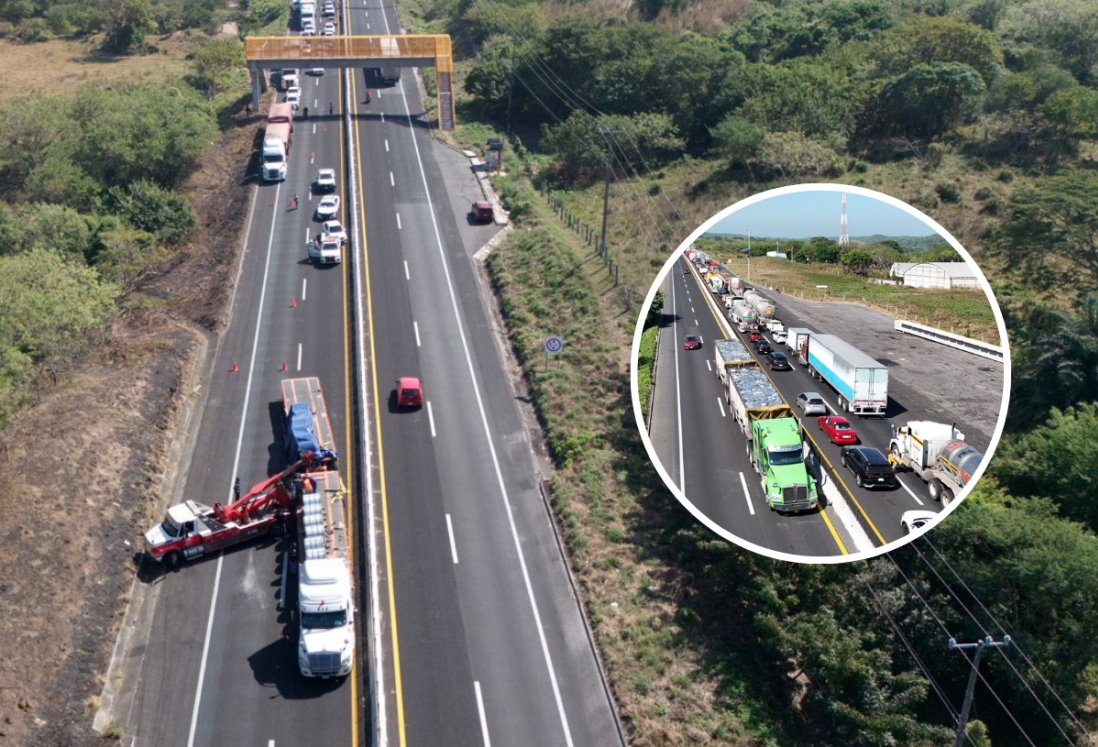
937 453
762 306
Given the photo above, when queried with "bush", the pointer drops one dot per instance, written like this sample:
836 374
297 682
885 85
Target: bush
154 210
948 193
32 30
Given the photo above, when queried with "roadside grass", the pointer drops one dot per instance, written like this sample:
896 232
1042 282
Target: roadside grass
963 311
63 66
646 361
658 587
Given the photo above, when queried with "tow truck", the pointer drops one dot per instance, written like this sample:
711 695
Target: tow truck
192 529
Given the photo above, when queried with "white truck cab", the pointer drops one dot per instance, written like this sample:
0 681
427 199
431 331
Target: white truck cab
326 617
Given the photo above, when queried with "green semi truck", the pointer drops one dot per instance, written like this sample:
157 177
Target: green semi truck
772 431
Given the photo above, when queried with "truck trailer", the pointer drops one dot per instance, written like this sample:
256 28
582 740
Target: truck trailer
762 306
938 454
325 587
306 424
276 142
795 339
862 382
730 353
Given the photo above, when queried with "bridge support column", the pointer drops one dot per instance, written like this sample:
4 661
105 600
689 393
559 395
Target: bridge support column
257 83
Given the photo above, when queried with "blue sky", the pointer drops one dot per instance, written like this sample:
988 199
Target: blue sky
802 215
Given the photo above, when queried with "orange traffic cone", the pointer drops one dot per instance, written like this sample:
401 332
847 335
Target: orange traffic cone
284 368
234 368
293 303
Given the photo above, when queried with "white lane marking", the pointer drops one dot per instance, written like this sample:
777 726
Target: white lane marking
415 327
431 419
720 404
367 27
747 494
307 230
910 492
305 287
383 113
696 322
453 545
270 743
392 181
483 718
678 406
299 356
399 227
504 495
314 127
386 145
282 586
232 477
407 275
692 310
708 366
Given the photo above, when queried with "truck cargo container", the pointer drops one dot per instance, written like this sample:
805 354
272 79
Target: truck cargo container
938 454
861 381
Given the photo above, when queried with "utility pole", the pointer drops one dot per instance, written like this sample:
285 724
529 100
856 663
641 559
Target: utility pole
962 720
510 86
605 193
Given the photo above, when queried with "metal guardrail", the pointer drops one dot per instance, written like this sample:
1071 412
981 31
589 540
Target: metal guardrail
967 344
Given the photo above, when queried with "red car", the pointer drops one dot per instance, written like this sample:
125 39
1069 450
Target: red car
409 392
838 429
691 342
754 336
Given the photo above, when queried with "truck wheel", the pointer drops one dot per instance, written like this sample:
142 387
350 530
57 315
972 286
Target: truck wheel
935 490
171 562
947 496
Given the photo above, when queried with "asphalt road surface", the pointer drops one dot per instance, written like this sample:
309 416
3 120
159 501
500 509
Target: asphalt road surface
703 452
481 638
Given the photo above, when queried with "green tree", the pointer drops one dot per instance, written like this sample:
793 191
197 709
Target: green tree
127 23
926 40
1051 225
1069 27
581 150
737 139
155 210
856 261
791 154
927 100
492 77
214 60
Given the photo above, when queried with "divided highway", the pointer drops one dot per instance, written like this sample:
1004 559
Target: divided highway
481 638
702 450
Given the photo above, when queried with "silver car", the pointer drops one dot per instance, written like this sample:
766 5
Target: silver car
811 403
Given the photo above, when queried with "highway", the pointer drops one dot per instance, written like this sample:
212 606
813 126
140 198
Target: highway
702 451
480 637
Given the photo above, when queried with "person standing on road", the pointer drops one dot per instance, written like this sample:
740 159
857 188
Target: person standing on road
331 108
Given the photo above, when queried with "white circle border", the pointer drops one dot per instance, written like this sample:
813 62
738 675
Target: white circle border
635 355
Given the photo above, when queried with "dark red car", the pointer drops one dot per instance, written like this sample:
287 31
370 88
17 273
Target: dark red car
838 429
409 392
691 342
481 212
754 336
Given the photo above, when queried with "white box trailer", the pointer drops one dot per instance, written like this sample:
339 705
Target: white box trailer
796 337
861 381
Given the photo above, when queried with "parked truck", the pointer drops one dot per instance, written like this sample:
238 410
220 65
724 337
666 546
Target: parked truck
306 424
325 589
714 282
773 437
743 315
862 382
735 285
763 307
276 142
938 454
192 530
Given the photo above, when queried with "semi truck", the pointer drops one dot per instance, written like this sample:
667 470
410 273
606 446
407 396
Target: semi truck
735 285
276 142
773 436
192 530
743 315
937 453
861 381
325 589
325 592
714 282
763 307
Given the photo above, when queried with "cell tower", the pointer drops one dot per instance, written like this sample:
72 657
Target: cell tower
843 230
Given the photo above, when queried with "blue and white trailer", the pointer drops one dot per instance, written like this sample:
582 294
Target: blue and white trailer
861 381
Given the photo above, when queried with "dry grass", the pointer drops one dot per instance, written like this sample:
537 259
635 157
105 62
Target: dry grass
63 66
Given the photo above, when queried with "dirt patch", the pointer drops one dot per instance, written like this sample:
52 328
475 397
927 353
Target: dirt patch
82 468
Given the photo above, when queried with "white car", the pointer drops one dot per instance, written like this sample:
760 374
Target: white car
917 519
328 207
325 250
308 28
316 71
295 90
289 78
325 180
329 9
334 229
811 403
293 98
779 337
329 29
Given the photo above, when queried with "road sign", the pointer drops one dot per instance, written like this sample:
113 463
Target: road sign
554 345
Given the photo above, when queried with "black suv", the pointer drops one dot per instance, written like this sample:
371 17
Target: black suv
870 466
778 361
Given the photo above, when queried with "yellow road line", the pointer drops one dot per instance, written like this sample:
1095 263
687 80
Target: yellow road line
380 448
835 473
348 451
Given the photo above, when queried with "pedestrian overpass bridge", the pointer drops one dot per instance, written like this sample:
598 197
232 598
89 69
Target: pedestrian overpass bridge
338 52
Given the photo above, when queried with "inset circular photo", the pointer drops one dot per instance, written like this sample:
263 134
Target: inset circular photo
821 373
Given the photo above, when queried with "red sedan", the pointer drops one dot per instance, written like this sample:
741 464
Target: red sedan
409 392
754 336
838 429
691 342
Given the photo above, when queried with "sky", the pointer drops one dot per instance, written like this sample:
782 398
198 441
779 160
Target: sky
802 215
